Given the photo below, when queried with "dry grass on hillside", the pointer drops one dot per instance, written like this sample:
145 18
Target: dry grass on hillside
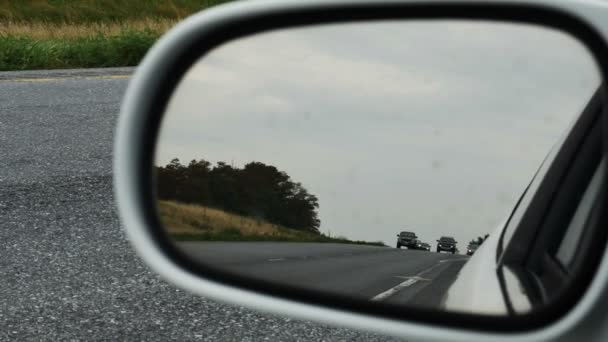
194 222
192 219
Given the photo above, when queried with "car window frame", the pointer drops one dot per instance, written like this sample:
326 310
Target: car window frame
573 236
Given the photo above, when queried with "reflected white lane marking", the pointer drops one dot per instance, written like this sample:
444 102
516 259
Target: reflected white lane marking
450 260
414 277
276 259
409 282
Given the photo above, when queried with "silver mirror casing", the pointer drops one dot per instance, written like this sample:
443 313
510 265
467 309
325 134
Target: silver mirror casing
170 57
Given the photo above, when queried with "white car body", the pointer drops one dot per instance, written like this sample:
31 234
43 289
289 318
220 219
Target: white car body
473 290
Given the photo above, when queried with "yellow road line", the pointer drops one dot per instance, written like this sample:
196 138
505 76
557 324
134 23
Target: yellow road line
50 79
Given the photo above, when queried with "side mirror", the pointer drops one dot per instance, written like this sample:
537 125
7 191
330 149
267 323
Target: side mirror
266 151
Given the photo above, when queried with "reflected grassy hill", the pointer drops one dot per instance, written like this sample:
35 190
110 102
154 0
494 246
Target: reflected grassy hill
188 222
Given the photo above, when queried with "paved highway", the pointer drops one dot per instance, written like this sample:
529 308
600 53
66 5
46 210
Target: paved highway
66 271
368 272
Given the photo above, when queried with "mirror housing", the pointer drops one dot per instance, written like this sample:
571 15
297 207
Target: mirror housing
158 75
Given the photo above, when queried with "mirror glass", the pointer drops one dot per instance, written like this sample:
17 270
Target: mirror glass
374 160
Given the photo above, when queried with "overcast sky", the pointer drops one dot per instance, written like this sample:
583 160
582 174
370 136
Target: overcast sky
433 127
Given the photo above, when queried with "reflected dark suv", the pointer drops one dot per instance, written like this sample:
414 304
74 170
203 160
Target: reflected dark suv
407 239
446 244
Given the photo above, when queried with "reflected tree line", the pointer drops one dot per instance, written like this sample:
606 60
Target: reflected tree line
257 190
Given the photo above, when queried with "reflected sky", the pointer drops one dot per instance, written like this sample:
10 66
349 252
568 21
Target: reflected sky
434 127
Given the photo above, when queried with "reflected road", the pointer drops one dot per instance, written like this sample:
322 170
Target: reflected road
376 273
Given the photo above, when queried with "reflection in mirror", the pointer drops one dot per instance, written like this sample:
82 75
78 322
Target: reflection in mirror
374 160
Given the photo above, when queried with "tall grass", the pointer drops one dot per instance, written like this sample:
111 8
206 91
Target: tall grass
126 48
190 218
87 11
51 34
187 222
46 30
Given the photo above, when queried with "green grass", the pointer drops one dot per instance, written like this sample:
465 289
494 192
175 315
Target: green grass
188 222
55 34
124 49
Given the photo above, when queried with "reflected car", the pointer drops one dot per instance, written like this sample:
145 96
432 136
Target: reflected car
472 248
423 246
446 244
407 239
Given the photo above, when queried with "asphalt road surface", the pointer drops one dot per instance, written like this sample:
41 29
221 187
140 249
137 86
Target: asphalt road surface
67 272
399 276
